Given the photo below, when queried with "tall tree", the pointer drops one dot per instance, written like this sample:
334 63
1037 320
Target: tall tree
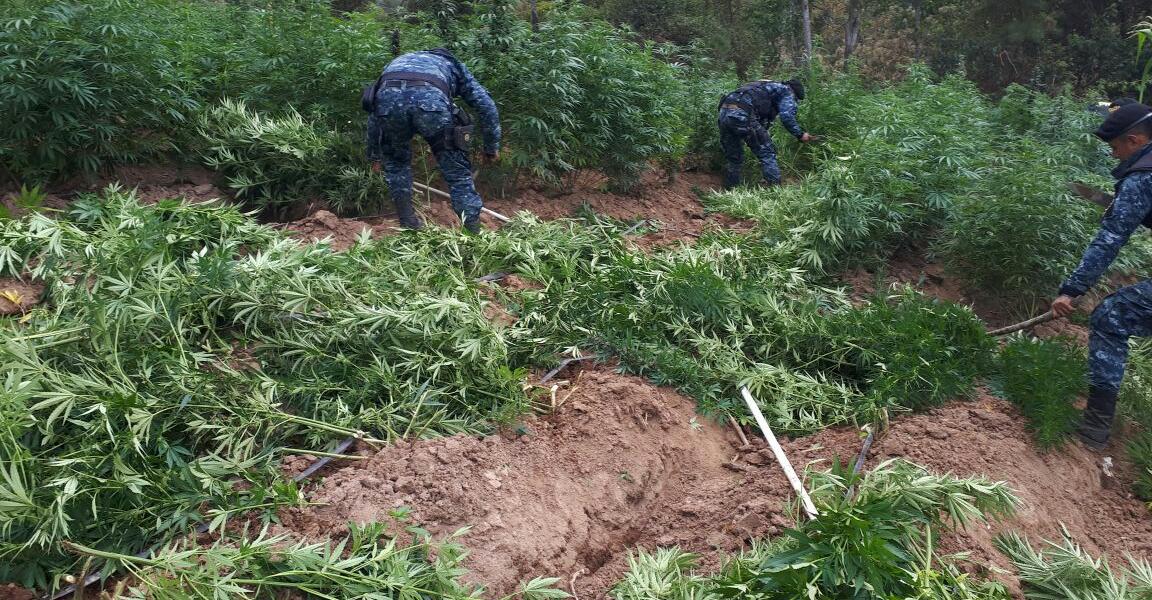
806 19
852 28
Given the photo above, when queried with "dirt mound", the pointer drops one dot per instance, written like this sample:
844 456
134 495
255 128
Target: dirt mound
623 464
342 232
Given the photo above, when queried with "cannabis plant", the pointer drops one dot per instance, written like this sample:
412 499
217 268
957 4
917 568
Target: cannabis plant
876 543
1043 378
365 564
1064 571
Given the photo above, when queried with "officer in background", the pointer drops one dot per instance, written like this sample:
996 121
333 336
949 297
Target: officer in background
745 116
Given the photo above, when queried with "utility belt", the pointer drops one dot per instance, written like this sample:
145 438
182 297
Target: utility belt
456 137
738 106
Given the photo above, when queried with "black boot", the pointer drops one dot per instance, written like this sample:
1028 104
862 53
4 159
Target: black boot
472 227
1096 423
407 215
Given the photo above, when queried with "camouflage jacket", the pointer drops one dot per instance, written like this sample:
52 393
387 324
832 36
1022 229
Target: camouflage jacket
769 99
1129 209
463 85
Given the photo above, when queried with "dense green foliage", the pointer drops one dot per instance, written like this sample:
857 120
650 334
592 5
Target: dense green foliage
127 79
934 162
1044 378
1136 405
880 543
182 348
184 344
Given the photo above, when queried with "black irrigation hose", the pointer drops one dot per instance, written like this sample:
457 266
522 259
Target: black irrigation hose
563 363
863 456
203 527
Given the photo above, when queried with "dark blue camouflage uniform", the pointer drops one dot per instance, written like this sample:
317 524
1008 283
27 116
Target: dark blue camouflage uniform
1128 312
739 126
404 110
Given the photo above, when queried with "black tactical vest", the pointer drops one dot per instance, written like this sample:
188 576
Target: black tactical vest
755 99
1140 165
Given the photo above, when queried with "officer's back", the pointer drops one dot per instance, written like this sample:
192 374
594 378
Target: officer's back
413 96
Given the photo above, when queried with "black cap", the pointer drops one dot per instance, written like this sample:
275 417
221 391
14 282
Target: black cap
1121 120
797 88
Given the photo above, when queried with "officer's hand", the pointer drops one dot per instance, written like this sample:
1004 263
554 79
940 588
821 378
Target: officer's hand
375 166
1063 306
493 157
805 138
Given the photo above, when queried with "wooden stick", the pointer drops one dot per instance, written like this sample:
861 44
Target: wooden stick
781 458
739 431
430 189
1034 321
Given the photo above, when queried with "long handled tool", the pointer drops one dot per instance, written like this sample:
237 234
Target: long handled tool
1091 194
1034 321
778 451
429 189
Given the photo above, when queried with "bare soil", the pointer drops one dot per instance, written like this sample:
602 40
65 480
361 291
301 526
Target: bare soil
622 464
671 209
16 296
11 591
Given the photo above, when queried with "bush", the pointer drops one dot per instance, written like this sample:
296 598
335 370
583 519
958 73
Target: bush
1019 232
1043 378
272 163
87 85
579 94
914 352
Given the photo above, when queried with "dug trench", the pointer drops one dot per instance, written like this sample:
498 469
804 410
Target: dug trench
621 464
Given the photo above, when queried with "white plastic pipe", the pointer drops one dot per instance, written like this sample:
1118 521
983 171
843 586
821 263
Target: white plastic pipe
781 458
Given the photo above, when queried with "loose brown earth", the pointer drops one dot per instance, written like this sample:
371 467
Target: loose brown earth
623 464
671 207
17 296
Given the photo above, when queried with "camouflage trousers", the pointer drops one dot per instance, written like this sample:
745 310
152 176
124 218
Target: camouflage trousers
401 114
736 129
1122 315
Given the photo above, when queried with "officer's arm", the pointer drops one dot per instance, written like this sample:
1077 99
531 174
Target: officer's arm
1132 203
477 97
373 137
788 115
